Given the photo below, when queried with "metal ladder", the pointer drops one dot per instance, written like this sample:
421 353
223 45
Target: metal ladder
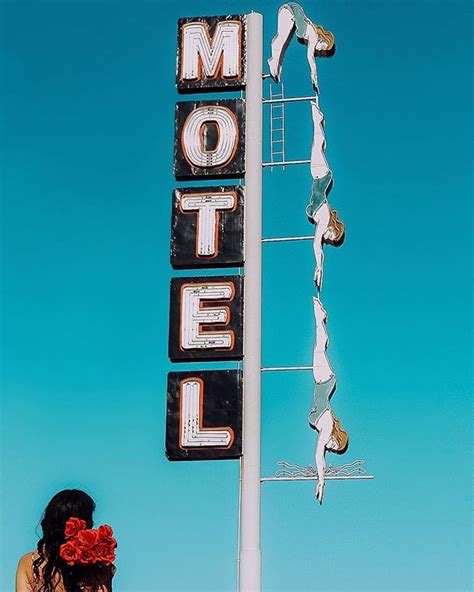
277 126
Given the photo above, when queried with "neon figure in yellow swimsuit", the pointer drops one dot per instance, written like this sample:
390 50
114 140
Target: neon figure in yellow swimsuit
292 18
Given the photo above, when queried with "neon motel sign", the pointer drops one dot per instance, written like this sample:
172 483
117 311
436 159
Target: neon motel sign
204 408
217 139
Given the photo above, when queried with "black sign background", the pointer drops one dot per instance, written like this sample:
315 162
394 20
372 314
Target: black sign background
236 167
219 82
230 242
222 406
236 321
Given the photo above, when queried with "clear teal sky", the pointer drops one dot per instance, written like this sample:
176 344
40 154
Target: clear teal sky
87 143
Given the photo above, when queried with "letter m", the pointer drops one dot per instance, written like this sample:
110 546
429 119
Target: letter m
211 58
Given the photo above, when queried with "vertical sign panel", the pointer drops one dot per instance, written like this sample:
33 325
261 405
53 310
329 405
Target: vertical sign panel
204 415
206 318
209 138
207 227
211 53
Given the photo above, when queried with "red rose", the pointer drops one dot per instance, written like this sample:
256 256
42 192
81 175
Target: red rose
113 543
69 553
73 526
105 531
88 537
104 551
86 555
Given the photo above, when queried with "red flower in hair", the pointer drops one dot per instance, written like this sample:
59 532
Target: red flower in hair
86 555
88 538
105 531
87 545
69 553
105 552
105 549
73 526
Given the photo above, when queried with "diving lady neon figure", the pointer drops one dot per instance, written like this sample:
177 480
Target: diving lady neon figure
329 229
292 18
321 417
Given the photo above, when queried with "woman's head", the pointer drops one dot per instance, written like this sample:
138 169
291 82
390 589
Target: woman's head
325 40
339 439
62 506
49 567
335 231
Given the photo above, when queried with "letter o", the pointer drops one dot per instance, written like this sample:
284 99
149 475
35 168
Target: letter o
228 136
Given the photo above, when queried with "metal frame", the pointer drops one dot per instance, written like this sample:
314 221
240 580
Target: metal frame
285 163
292 472
249 559
283 239
326 478
277 101
286 368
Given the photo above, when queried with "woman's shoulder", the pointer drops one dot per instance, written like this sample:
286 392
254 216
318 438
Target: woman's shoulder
27 559
24 572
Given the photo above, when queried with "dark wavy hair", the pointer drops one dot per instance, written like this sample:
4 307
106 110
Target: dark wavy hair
49 569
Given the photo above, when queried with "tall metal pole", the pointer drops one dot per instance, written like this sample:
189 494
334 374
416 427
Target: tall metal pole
250 554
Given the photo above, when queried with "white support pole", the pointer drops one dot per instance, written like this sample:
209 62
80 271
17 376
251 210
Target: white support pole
250 554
